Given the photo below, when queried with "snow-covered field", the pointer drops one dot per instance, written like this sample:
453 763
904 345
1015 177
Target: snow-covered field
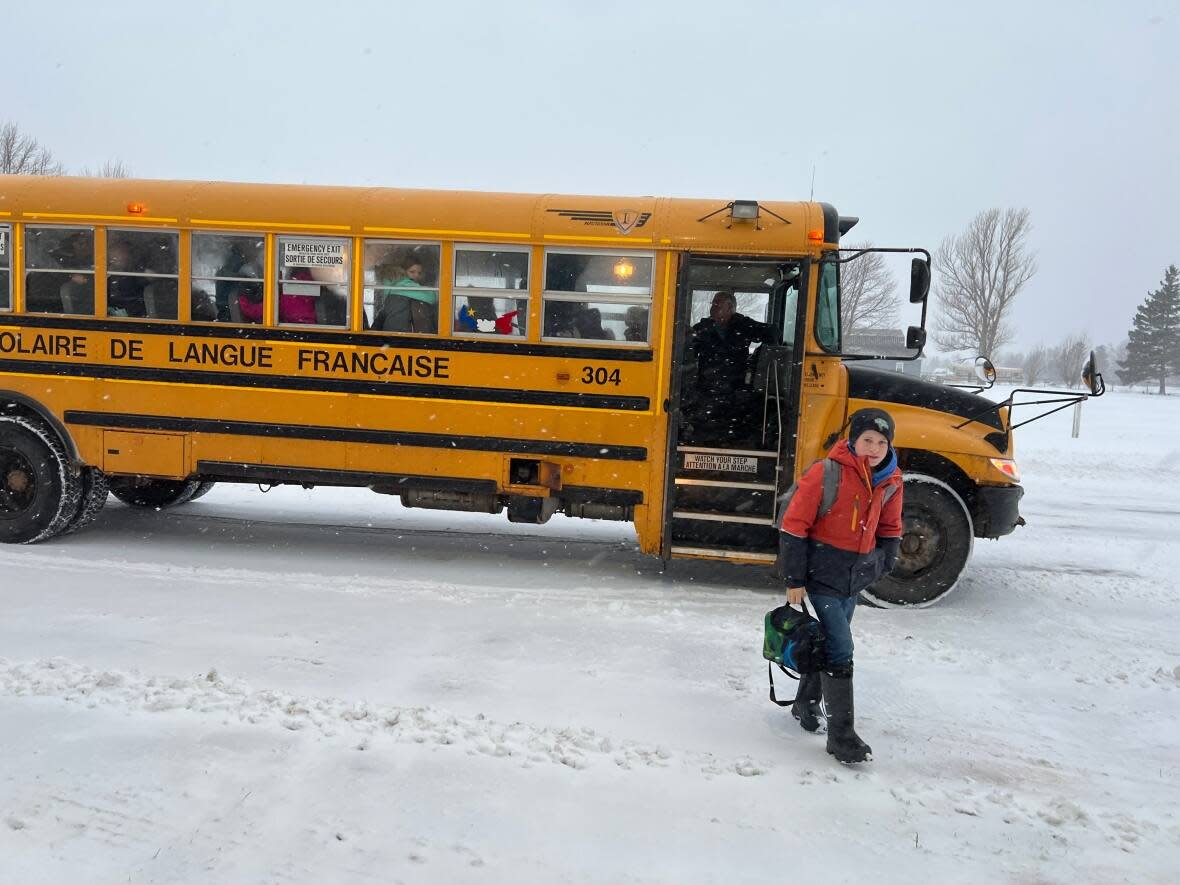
323 687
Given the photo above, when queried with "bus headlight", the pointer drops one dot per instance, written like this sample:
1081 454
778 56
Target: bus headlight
1007 467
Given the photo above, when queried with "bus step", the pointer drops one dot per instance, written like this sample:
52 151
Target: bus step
724 554
722 517
725 484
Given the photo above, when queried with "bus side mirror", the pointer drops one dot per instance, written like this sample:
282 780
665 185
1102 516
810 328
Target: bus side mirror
985 371
915 338
1091 377
919 280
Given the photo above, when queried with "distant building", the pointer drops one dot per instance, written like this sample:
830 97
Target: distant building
879 342
964 373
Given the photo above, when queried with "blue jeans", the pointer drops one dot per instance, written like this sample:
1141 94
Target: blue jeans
835 616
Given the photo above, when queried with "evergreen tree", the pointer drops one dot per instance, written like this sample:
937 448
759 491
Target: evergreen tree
1153 348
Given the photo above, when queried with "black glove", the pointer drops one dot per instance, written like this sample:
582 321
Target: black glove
889 548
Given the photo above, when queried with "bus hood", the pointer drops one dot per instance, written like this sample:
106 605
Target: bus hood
896 387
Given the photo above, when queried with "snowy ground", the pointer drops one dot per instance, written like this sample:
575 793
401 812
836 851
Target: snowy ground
323 687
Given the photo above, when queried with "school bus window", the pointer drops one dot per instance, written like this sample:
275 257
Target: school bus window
59 270
596 320
313 281
227 277
401 286
5 267
598 272
142 274
827 308
595 296
486 278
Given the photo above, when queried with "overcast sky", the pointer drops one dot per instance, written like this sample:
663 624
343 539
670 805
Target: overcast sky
913 116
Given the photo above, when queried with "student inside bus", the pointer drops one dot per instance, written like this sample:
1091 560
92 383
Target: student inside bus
238 301
588 324
635 323
296 301
51 291
409 305
124 293
141 275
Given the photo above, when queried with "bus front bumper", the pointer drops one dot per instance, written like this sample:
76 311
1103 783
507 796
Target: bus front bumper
997 510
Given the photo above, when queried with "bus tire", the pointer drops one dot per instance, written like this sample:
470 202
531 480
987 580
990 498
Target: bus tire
202 490
157 494
95 490
39 488
937 539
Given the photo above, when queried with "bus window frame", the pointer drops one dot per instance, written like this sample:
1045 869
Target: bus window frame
273 316
9 249
107 273
97 263
481 292
560 295
440 245
837 350
187 258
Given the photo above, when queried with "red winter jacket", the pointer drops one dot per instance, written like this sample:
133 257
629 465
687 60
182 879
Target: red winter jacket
855 542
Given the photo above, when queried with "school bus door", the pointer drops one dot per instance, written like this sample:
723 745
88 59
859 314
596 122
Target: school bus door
734 407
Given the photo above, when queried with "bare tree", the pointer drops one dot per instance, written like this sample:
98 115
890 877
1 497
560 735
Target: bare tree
868 293
109 169
1067 358
23 155
1008 358
981 271
1036 362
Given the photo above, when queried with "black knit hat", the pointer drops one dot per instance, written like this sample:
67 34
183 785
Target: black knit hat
870 419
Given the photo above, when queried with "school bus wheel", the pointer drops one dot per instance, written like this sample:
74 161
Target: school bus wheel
936 543
141 491
39 487
95 491
202 490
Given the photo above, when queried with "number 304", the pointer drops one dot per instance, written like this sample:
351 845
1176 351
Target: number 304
591 375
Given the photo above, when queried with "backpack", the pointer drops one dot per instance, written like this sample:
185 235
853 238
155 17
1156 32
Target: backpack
831 488
795 641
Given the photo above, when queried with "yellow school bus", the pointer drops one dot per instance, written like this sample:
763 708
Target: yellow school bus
463 351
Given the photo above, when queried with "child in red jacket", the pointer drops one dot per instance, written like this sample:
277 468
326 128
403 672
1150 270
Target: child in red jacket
833 557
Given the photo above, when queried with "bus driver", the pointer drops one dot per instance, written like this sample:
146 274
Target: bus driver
721 342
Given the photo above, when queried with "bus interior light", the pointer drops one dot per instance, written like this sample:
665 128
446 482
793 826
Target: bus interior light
624 269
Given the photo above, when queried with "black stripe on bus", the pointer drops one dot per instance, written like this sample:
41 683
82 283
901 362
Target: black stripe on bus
233 471
392 483
596 495
357 339
603 451
331 385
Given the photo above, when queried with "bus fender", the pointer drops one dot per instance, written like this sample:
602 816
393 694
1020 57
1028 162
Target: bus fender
21 404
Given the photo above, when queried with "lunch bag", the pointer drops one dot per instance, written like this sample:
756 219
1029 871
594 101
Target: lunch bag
795 641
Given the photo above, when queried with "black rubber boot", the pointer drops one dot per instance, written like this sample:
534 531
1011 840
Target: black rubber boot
806 707
843 742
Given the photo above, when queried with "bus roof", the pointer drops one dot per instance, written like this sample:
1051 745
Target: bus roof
701 225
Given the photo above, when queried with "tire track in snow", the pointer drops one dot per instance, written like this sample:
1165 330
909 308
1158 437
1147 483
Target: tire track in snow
233 701
659 596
